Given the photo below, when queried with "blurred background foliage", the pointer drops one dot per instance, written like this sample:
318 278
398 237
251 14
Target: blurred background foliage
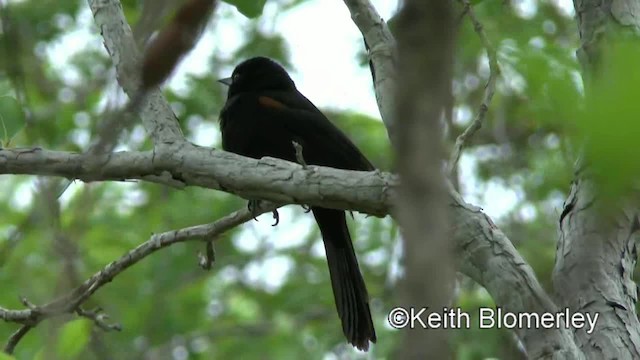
265 298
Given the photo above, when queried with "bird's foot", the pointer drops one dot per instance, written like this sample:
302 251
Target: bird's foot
254 205
306 208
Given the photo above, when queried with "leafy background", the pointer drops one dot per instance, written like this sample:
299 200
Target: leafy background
263 298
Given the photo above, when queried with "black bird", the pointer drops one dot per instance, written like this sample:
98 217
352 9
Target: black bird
263 115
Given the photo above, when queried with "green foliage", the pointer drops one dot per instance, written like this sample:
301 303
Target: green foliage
248 8
269 45
12 119
610 121
4 356
73 338
367 133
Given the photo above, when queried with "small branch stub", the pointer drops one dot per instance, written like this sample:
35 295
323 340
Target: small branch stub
299 156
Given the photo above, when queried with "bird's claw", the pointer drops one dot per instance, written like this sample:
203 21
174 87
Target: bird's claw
306 208
253 206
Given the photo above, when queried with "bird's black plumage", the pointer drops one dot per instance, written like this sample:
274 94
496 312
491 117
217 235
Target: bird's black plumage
263 114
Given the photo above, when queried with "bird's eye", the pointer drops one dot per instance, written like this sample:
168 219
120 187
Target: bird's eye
235 77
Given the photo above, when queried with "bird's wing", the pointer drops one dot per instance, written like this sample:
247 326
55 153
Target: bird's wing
322 142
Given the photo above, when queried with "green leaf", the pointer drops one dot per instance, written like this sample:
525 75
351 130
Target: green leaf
4 356
610 123
248 8
74 337
39 355
12 118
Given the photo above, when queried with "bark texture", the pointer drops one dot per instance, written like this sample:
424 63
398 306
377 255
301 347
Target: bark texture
597 247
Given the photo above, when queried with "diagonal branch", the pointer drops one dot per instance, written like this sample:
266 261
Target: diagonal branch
381 47
486 255
156 114
72 301
15 338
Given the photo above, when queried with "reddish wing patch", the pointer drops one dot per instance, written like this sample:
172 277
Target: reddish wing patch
269 102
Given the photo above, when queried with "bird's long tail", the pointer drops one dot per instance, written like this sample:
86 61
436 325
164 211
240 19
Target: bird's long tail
349 290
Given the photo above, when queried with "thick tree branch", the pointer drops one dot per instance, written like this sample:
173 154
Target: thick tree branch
487 256
189 165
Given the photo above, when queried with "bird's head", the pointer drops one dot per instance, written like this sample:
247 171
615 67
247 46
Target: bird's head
258 74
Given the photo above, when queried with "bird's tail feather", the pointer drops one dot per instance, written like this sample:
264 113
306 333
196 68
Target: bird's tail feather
349 290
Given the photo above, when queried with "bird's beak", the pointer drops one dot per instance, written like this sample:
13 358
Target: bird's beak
226 81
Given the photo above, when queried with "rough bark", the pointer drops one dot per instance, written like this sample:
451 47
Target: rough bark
595 260
596 253
487 256
185 164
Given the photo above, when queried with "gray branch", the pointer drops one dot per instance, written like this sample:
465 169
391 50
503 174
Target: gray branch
382 48
489 258
185 164
157 116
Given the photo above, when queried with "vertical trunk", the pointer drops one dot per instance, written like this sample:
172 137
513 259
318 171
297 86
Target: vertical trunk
425 52
596 252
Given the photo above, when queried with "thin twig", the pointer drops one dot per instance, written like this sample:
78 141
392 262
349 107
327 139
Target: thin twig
15 338
489 90
99 318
